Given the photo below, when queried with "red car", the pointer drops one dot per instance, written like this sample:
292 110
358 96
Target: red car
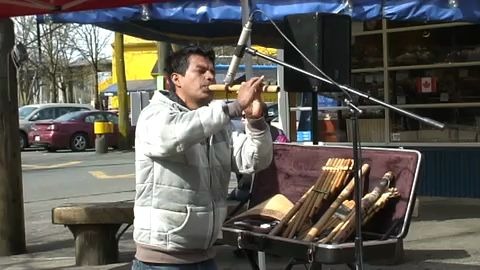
72 131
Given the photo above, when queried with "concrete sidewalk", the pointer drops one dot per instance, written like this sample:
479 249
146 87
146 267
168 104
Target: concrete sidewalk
446 235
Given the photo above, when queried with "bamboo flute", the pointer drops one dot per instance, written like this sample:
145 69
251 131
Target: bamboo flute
277 229
340 227
380 203
366 203
341 173
303 210
338 170
299 218
341 181
346 192
292 224
318 196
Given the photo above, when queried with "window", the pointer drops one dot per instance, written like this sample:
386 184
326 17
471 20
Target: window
44 114
63 110
94 117
25 111
432 70
112 118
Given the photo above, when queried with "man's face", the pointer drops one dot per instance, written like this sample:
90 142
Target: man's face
193 87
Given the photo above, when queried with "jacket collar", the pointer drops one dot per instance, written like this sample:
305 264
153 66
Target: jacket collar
175 98
169 98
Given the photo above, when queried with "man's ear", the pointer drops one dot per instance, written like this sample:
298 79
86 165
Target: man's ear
175 78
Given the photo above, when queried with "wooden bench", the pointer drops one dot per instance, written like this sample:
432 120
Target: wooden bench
95 228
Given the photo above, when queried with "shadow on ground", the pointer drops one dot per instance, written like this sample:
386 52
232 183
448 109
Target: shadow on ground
434 254
49 246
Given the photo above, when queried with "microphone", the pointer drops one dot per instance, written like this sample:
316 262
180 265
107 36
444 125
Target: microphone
239 52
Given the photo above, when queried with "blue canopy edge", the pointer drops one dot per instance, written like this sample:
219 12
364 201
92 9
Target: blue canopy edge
219 22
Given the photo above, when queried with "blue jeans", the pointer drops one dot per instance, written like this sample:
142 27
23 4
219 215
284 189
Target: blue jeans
205 265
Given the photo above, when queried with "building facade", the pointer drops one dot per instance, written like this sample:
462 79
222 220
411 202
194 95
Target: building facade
432 70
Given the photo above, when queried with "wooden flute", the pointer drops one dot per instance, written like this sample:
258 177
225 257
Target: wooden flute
236 87
347 190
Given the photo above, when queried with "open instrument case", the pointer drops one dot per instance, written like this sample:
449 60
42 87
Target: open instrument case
293 171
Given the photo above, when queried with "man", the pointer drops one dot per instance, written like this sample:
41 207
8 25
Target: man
185 150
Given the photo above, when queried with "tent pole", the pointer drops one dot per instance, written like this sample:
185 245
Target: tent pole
163 50
12 233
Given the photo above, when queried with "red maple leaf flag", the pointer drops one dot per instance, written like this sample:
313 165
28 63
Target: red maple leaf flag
427 85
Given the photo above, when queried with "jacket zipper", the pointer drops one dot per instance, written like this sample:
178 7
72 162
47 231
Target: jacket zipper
209 151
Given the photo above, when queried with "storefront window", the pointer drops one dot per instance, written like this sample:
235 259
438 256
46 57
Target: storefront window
367 51
462 125
431 86
371 125
433 70
434 46
369 83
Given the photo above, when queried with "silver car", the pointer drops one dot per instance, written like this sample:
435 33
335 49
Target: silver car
29 114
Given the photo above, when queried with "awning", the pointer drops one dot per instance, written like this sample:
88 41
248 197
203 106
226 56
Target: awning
219 22
12 8
432 10
132 86
214 22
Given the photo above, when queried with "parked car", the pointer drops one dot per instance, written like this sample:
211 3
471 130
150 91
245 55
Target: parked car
272 117
72 131
272 111
29 114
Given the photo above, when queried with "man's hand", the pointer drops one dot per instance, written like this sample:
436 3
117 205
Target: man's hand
250 91
255 110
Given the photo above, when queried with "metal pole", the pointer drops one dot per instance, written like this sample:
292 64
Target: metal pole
358 193
163 50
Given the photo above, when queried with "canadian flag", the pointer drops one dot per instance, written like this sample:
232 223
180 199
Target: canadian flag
427 85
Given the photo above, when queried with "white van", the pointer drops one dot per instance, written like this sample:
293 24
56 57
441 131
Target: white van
30 113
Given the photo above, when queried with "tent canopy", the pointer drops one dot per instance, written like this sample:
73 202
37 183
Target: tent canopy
219 22
12 8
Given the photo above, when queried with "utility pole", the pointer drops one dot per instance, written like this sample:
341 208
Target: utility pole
12 228
123 121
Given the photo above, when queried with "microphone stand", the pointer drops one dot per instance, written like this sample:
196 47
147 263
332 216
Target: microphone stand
355 141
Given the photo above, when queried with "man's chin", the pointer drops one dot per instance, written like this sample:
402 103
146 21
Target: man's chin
207 99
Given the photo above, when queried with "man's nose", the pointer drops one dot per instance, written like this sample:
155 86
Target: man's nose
210 75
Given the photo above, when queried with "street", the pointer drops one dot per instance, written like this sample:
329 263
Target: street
69 175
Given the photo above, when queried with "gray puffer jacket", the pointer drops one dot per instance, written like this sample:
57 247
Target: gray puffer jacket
183 162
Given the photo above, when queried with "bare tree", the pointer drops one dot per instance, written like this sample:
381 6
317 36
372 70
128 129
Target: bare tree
58 53
25 33
90 42
54 67
43 67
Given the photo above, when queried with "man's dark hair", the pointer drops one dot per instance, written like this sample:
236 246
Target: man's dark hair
177 62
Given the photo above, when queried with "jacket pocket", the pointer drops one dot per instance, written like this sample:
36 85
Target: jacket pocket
194 232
